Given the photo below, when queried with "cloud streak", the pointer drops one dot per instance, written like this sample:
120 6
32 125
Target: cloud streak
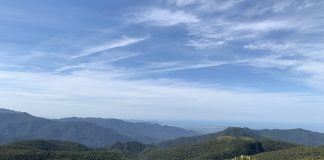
88 51
273 28
163 17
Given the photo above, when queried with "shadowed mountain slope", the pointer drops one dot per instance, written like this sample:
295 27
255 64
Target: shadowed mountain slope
16 126
139 131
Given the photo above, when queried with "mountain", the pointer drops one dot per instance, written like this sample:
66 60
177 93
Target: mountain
132 148
228 144
49 145
8 111
301 153
58 150
216 148
231 131
139 131
298 136
92 132
16 126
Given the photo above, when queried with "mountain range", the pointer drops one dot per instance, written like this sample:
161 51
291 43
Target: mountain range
24 136
93 132
295 136
139 131
229 144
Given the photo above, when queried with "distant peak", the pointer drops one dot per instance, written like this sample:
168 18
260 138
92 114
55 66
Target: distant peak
237 129
3 110
238 132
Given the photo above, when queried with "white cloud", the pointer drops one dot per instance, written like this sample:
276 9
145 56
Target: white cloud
180 66
218 33
91 93
270 62
100 89
281 6
207 5
163 17
183 2
212 6
295 44
314 72
260 26
108 46
104 63
272 46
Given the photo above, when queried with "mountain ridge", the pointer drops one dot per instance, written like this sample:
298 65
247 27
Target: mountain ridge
296 136
140 131
16 126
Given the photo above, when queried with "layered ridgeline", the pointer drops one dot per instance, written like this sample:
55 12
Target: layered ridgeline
15 126
228 144
234 142
139 131
296 136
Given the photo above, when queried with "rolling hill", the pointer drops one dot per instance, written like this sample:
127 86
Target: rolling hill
296 136
231 143
216 148
297 153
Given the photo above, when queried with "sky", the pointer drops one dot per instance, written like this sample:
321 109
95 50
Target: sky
233 60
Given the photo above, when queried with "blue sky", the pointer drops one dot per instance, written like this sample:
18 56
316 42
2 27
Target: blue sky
238 60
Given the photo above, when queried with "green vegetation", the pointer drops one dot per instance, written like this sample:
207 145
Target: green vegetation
230 144
54 150
128 148
50 145
219 148
296 153
297 136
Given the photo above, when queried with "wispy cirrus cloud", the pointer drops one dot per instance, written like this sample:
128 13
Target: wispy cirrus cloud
211 34
162 17
181 66
273 28
91 50
272 46
206 5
